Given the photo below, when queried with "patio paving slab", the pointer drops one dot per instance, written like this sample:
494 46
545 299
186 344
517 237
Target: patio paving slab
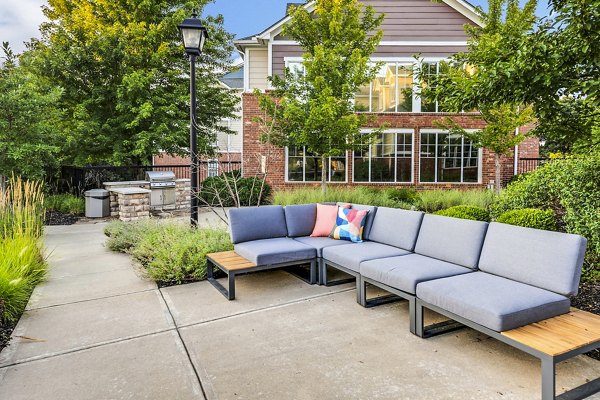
87 287
201 302
331 348
54 330
151 367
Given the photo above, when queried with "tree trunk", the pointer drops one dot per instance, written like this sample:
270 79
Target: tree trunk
323 174
498 173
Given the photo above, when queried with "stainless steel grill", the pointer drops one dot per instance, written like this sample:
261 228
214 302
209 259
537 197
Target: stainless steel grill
162 184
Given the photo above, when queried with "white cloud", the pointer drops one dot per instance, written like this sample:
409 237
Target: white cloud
19 21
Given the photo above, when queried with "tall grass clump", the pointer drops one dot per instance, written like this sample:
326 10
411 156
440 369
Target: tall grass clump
21 209
22 265
357 195
65 203
436 200
171 253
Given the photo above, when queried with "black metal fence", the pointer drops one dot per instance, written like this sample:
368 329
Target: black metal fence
530 164
77 180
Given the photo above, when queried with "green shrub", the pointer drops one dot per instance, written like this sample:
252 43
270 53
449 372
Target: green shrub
171 253
123 236
436 200
65 203
466 212
571 189
530 218
232 190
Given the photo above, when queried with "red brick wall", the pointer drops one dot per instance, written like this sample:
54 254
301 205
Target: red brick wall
254 150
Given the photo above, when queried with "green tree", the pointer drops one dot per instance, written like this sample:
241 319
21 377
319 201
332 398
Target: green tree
125 77
315 108
499 135
457 88
29 120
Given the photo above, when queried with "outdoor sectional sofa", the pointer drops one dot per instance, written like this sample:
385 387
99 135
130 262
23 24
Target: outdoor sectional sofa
492 277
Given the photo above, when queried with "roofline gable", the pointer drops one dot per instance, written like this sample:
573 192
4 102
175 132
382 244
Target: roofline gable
461 6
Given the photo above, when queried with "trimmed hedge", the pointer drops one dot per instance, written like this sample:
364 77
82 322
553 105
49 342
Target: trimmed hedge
530 218
466 212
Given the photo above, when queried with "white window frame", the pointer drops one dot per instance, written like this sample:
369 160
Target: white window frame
287 180
462 158
395 131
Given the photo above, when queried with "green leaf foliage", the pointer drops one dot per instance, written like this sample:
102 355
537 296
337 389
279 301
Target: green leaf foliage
124 77
30 120
316 108
65 203
530 218
466 212
571 189
171 253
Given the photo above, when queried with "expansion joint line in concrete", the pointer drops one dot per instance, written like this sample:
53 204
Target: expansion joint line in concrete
187 352
94 299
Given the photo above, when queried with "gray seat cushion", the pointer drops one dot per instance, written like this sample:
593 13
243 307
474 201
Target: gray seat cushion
351 255
548 260
300 219
319 243
455 240
275 251
250 223
405 272
396 227
497 303
370 217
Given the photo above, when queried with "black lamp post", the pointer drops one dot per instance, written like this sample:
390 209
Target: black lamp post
194 35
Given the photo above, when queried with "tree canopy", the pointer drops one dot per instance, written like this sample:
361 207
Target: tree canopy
30 120
314 107
124 77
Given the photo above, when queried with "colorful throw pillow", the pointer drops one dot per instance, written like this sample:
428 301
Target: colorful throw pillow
349 225
326 216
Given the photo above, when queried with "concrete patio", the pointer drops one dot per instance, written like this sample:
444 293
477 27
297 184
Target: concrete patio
97 330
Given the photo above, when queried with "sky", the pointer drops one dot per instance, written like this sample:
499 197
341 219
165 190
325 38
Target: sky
20 19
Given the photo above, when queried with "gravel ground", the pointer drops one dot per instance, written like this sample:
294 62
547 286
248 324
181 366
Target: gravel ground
58 218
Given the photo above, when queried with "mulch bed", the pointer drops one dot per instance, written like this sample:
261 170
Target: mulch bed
5 331
588 299
58 218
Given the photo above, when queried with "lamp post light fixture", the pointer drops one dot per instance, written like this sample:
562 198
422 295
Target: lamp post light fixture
194 35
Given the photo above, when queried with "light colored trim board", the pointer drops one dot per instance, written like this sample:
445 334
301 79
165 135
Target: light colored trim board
392 43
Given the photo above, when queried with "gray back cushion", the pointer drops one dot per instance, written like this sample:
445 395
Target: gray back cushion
255 223
395 227
548 260
455 240
300 219
370 217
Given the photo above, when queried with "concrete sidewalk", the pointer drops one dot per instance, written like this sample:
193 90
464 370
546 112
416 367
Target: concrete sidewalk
96 330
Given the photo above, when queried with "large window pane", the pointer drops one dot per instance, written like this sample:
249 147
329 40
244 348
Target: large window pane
388 159
306 167
362 99
383 92
405 88
448 158
428 70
